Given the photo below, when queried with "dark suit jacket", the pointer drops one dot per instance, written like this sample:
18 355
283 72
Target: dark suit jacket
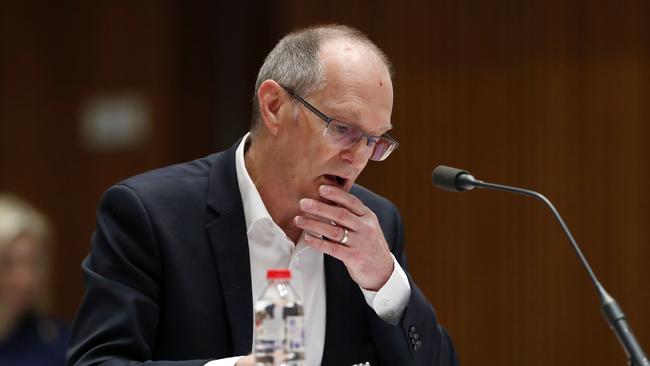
168 280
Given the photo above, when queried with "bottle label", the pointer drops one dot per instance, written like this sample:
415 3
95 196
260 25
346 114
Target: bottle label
295 333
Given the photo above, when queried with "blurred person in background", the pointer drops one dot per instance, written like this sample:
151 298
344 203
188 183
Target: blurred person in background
27 335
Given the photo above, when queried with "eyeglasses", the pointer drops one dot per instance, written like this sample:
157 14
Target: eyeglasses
346 136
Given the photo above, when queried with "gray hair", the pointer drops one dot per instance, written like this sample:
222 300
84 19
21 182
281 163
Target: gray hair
295 63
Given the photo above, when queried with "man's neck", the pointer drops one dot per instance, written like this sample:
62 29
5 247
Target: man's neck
277 200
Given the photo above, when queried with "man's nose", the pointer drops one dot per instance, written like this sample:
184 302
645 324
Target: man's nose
358 153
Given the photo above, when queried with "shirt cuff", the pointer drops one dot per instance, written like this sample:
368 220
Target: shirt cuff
230 361
391 299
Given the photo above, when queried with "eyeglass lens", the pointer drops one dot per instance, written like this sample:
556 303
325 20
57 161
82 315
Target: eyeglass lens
346 136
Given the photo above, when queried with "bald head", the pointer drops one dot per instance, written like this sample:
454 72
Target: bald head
357 82
307 60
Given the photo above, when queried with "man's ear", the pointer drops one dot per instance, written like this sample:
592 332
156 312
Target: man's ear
271 98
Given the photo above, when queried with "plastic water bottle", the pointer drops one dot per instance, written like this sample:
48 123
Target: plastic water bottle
279 330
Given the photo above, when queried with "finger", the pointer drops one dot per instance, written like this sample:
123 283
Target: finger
343 198
340 252
319 228
340 215
319 218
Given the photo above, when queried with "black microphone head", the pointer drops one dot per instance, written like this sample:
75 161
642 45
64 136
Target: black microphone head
447 178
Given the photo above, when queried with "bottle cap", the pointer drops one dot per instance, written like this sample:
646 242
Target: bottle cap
278 273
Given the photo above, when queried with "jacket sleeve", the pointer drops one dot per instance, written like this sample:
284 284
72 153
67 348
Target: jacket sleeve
418 339
117 320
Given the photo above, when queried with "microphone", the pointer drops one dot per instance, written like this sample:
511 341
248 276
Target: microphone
457 180
452 179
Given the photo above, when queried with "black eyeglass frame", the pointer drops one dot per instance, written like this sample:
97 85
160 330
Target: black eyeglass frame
327 119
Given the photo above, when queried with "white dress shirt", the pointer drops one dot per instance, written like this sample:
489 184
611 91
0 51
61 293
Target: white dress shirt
269 247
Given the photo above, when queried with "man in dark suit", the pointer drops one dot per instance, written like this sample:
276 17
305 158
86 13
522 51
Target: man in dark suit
179 253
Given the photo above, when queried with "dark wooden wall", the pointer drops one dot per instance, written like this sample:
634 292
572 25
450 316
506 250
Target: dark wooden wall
550 95
55 59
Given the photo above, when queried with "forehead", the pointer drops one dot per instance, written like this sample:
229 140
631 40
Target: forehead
358 85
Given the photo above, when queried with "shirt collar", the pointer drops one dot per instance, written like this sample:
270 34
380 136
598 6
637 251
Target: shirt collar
254 209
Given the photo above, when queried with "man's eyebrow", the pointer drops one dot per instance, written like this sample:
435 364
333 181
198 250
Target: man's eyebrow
351 117
385 129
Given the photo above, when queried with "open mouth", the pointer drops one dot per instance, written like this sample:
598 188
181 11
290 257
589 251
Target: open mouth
335 180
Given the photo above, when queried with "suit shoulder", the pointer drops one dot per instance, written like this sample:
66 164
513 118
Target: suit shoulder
174 182
195 169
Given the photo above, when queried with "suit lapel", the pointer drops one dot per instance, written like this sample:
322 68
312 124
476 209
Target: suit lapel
229 242
336 319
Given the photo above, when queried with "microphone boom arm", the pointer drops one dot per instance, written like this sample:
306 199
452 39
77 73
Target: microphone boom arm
611 310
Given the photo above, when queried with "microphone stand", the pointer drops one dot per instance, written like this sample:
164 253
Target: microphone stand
611 310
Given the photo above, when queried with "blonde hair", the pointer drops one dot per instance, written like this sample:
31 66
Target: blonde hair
18 218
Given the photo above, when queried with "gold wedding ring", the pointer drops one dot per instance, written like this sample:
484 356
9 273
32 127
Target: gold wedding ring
346 236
